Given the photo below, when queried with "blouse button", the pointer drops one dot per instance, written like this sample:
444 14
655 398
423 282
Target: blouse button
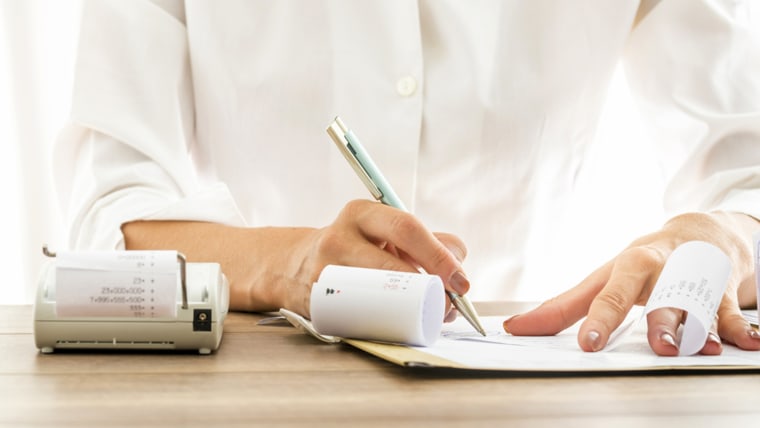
406 86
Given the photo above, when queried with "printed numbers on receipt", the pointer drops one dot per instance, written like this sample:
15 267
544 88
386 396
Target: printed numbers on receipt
131 284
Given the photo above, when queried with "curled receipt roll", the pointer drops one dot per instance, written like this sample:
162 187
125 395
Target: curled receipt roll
693 279
380 305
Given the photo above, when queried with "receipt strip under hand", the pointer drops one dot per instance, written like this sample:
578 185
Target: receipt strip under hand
380 305
693 279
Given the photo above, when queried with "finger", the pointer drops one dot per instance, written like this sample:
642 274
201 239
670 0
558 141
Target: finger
629 282
342 245
562 311
713 346
407 258
733 328
391 249
382 223
453 244
662 328
367 255
451 315
338 245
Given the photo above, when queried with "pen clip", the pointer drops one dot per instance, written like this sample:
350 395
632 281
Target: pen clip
337 131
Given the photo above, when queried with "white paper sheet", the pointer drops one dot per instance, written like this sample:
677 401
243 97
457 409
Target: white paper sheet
130 284
751 315
560 353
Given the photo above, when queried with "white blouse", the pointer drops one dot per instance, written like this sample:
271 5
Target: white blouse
480 113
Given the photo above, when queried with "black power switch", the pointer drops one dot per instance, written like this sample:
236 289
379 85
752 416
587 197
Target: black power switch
201 319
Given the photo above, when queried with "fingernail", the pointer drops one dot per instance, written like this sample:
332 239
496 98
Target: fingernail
669 339
712 337
451 316
594 339
459 282
753 334
506 321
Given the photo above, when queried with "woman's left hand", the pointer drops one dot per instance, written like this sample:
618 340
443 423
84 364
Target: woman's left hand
606 296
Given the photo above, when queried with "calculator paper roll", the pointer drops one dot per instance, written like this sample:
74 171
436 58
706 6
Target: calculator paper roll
693 279
372 304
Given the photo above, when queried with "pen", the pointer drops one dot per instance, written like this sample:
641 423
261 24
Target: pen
382 191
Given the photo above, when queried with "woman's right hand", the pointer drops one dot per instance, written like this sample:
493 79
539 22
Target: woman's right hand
373 235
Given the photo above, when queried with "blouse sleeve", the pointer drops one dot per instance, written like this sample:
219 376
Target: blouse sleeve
126 153
695 66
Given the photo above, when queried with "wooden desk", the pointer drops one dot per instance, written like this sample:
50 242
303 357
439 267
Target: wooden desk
271 375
